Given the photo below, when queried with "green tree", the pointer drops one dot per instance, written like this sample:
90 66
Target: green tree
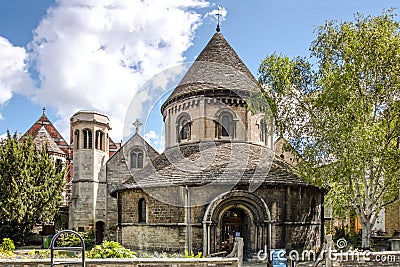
340 108
30 187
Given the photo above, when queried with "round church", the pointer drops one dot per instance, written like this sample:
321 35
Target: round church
219 177
222 174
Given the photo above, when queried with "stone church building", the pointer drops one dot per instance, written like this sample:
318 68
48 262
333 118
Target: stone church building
221 175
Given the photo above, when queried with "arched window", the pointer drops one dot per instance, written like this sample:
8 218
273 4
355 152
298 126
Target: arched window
142 210
136 158
184 128
76 139
225 125
87 139
99 141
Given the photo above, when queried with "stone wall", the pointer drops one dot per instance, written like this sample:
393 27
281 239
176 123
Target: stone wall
118 171
295 220
392 218
296 217
204 113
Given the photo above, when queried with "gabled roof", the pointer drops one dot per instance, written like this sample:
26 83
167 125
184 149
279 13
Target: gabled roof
218 67
44 121
43 138
151 152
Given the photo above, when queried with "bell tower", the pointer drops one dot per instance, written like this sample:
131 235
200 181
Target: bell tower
90 146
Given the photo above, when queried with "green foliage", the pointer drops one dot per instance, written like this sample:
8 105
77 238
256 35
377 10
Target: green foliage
44 254
352 238
7 248
342 113
71 240
192 255
30 187
7 245
110 249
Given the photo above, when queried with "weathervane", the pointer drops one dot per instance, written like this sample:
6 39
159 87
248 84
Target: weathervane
218 15
137 124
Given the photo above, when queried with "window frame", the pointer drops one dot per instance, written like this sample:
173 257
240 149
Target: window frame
76 140
99 140
87 138
183 128
138 163
142 210
221 124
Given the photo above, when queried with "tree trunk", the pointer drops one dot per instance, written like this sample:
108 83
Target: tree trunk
366 235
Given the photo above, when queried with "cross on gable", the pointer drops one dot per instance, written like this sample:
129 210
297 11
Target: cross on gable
137 124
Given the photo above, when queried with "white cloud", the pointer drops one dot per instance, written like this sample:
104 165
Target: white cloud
94 54
14 77
214 13
155 140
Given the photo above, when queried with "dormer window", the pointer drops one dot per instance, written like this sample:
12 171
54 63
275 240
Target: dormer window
136 158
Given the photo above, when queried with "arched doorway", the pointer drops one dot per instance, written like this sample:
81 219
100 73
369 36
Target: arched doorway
234 223
99 232
252 221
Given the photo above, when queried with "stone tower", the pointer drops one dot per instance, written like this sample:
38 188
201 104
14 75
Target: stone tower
90 147
210 102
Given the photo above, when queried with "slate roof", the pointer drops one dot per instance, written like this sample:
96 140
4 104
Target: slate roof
220 162
217 67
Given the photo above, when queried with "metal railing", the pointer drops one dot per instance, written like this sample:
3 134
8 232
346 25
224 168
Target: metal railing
53 248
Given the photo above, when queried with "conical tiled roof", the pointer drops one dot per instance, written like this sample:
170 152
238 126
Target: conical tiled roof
217 68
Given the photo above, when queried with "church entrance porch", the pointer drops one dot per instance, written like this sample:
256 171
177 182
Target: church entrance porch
236 214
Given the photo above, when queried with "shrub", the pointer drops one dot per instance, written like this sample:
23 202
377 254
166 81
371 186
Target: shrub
7 247
45 254
353 239
71 240
110 249
192 255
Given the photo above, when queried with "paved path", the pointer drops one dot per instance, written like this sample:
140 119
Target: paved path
248 264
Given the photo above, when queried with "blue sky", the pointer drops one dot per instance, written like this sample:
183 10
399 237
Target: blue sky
70 55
